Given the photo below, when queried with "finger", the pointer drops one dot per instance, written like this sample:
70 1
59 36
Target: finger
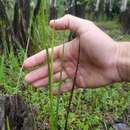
40 58
70 22
42 72
64 88
44 82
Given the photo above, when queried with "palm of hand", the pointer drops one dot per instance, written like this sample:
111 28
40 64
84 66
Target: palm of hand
93 67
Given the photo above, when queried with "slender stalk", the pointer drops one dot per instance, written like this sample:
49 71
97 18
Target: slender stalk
60 83
7 123
50 61
53 116
21 69
72 91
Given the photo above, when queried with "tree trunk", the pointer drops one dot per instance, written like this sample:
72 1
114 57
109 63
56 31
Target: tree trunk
15 114
2 113
97 5
125 20
3 15
75 8
15 34
99 8
21 21
109 9
124 5
110 5
37 8
53 12
4 23
72 7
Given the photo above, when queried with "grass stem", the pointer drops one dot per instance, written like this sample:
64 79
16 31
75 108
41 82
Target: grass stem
72 91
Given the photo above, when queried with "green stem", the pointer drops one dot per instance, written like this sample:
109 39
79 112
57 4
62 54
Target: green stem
50 61
60 83
72 91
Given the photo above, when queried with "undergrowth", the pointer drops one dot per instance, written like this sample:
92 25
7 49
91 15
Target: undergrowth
90 109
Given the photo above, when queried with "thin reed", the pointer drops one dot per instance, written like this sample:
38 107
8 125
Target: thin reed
50 61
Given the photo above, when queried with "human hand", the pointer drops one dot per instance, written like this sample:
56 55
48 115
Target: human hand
98 56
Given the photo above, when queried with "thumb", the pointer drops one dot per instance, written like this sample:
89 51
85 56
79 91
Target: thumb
69 22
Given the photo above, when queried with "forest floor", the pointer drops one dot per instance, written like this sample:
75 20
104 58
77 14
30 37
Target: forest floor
97 109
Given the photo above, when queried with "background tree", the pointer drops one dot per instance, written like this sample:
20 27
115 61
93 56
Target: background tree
14 26
125 18
76 7
53 9
124 5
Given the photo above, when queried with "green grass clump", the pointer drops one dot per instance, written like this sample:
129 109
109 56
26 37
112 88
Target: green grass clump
46 43
90 108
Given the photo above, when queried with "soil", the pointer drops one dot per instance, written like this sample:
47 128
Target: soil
15 113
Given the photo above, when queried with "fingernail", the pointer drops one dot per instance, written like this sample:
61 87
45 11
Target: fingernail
27 78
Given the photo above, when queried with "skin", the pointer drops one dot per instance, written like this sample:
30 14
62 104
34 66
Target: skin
100 57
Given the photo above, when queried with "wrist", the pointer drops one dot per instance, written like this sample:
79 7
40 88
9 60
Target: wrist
123 61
